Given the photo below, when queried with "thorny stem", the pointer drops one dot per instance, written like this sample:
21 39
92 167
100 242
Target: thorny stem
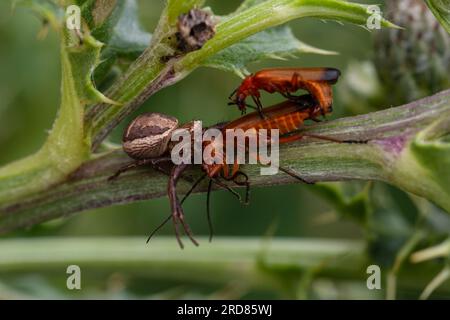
393 154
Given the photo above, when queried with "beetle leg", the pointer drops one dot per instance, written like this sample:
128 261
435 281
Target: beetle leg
304 101
291 138
224 186
259 106
294 80
243 183
299 136
251 107
235 168
331 139
225 170
294 175
232 94
289 171
287 95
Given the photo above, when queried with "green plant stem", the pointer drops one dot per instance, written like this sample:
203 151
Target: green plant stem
261 264
221 261
391 155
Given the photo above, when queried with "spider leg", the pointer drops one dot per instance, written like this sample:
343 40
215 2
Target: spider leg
154 162
128 167
177 210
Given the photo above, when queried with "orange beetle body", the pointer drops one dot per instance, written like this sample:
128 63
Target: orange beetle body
287 117
317 81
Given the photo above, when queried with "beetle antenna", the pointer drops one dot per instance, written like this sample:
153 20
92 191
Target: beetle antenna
159 228
196 183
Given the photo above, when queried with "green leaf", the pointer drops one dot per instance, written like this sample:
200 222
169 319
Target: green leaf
116 24
128 36
126 39
101 17
432 151
47 9
357 207
428 156
441 9
275 43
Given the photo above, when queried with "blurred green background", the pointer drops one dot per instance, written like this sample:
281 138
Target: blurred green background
29 97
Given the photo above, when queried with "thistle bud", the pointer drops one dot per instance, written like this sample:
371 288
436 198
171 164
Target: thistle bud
413 62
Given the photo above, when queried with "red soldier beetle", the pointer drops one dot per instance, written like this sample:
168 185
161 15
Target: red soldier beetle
317 81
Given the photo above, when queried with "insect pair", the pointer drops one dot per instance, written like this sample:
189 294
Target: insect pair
147 138
317 81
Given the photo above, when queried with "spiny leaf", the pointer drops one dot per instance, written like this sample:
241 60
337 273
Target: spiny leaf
84 53
68 144
275 43
441 9
101 17
85 58
126 38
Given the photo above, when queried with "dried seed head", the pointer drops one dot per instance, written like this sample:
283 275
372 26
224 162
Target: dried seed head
148 135
194 29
